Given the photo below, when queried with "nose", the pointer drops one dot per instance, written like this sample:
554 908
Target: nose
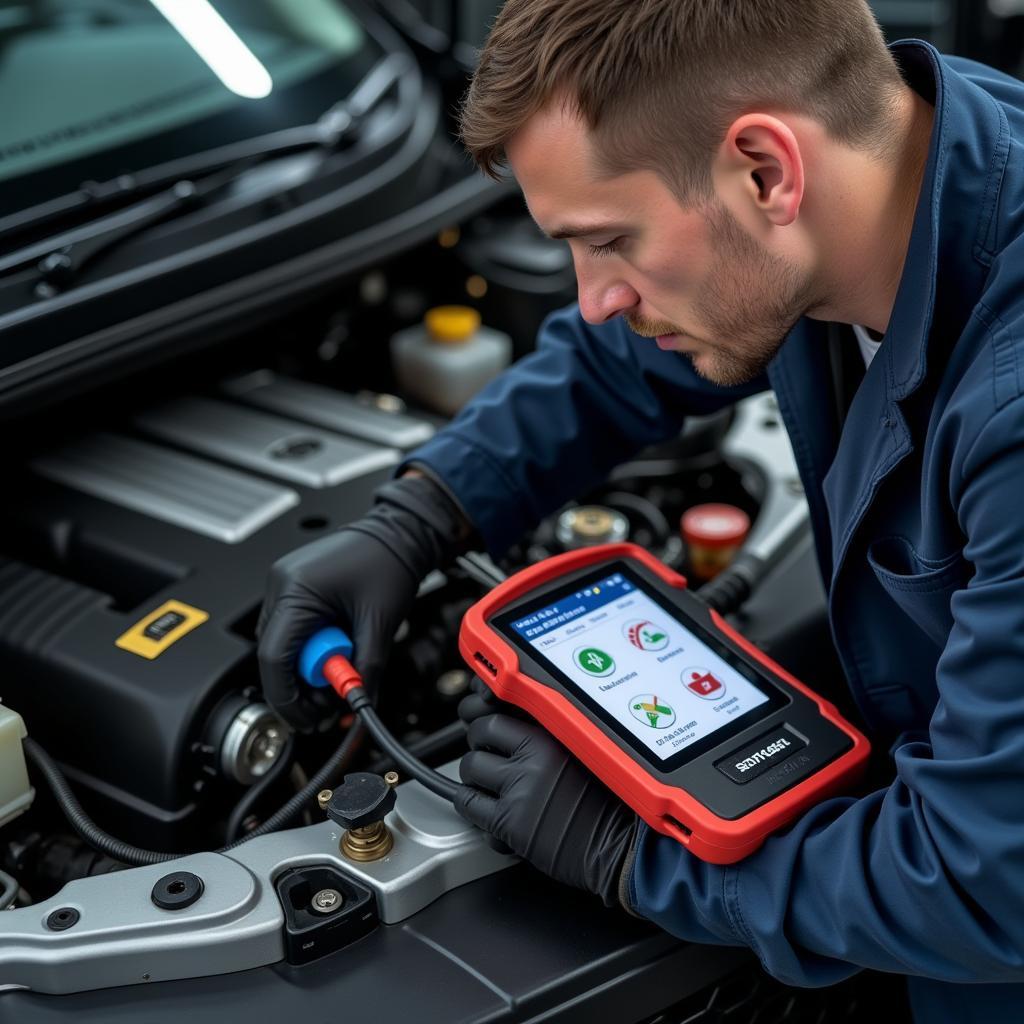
602 298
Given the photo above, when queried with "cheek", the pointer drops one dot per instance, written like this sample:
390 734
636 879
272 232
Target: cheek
679 263
667 271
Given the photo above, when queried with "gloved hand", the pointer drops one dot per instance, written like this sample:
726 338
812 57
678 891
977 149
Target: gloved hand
528 791
364 578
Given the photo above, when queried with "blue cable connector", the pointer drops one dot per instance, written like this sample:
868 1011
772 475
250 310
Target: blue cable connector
322 645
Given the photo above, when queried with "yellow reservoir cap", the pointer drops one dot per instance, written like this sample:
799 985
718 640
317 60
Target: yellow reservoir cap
452 324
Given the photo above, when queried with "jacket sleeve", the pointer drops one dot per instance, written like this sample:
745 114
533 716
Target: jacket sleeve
924 877
560 419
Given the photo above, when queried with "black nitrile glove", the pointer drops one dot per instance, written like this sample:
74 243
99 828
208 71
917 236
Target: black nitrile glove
528 791
482 700
363 578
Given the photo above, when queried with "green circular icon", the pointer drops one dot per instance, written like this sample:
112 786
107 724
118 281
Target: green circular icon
594 661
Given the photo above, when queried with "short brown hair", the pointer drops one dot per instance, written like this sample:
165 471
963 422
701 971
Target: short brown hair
660 81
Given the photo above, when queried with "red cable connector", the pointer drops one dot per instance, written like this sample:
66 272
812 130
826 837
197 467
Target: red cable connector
342 675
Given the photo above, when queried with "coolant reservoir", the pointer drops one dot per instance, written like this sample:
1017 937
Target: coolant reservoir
15 792
444 361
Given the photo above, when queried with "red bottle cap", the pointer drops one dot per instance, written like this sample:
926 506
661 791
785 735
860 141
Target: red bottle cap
715 526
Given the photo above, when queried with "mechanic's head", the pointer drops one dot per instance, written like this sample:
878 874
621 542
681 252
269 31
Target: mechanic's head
689 150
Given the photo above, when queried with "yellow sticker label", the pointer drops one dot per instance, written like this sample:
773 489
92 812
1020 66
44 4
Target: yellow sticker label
151 636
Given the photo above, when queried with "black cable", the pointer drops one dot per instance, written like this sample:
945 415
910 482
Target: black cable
323 779
480 569
359 702
425 746
105 843
79 820
258 789
734 584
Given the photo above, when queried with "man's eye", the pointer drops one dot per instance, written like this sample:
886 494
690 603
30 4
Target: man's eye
605 250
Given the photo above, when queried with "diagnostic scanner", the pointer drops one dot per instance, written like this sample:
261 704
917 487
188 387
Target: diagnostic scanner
703 735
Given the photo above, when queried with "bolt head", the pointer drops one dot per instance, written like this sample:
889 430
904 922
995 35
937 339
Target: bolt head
326 901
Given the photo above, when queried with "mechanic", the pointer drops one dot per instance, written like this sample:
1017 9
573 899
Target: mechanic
738 181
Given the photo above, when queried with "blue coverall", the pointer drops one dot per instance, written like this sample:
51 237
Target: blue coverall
917 503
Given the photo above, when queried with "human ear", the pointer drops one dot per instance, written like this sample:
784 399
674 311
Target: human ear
760 162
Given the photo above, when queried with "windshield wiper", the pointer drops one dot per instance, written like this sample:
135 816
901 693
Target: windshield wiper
59 268
59 258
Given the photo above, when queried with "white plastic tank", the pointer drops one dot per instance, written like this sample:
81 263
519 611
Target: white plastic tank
447 359
15 792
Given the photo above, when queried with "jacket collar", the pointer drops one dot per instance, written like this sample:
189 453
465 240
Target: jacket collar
952 244
953 236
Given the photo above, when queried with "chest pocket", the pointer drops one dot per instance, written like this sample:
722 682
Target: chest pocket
921 587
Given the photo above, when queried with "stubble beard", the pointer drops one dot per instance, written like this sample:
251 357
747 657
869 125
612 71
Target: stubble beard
749 304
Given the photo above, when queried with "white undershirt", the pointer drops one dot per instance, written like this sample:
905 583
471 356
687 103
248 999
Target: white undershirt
868 346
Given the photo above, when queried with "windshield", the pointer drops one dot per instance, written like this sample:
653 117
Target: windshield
96 88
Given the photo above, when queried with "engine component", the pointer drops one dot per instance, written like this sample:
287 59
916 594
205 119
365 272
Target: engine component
360 805
453 683
444 362
177 891
330 409
268 444
128 721
15 792
252 744
138 575
175 488
713 534
434 851
44 862
338 912
588 525
62 919
609 517
527 275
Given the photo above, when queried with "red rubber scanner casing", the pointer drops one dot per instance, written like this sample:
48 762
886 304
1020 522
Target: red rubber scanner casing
668 809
